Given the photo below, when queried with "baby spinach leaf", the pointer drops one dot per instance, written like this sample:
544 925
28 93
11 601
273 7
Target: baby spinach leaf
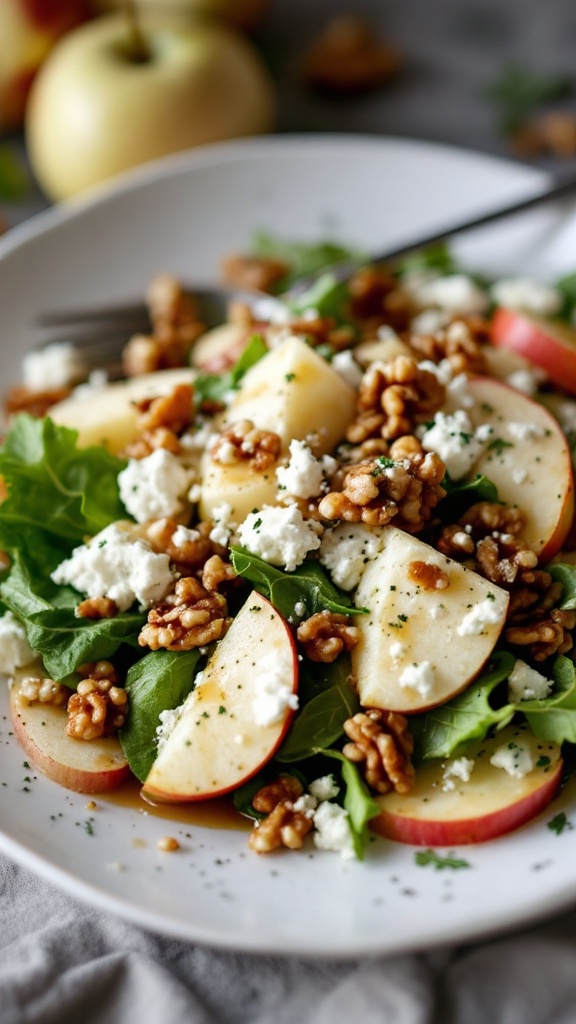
55 487
460 494
215 386
160 681
327 295
437 257
309 584
63 640
438 733
319 723
304 259
358 801
566 575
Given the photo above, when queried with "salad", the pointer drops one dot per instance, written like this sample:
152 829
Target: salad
322 563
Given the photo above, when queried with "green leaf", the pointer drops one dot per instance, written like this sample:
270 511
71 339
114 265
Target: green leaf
303 258
565 574
320 721
214 387
47 612
358 801
461 494
54 487
517 92
554 718
559 823
436 257
429 858
328 296
440 732
567 288
309 584
160 681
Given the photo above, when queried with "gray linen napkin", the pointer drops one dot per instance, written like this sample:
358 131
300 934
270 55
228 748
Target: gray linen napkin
65 963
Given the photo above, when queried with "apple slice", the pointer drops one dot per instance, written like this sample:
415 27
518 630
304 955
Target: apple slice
528 459
86 766
550 344
234 720
442 810
108 416
419 645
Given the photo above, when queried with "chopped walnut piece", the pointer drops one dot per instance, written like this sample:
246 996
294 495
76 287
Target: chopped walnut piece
502 557
243 442
348 57
99 706
37 690
428 575
283 825
326 634
382 743
149 441
189 548
175 327
97 608
376 300
552 133
546 636
253 273
189 617
174 411
35 403
376 491
216 571
460 342
392 398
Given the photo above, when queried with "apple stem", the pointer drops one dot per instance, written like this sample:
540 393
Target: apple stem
138 47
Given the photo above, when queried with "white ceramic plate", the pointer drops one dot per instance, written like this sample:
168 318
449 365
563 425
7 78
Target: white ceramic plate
183 215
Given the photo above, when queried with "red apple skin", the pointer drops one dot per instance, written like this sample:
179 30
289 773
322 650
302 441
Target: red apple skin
438 812
468 830
155 794
91 766
548 344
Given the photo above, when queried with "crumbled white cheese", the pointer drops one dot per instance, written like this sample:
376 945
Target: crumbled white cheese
304 474
526 431
183 535
419 677
116 565
306 805
514 758
429 322
524 293
332 830
199 437
397 649
347 548
485 613
299 609
455 293
97 381
324 788
280 536
525 381
345 364
461 769
15 651
168 719
224 525
154 487
565 412
525 683
455 440
519 475
273 695
57 365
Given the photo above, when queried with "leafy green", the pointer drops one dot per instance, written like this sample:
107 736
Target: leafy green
160 681
327 295
48 614
559 823
214 387
359 803
460 494
54 488
429 858
565 574
303 258
554 718
320 721
436 257
567 288
308 584
438 733
517 92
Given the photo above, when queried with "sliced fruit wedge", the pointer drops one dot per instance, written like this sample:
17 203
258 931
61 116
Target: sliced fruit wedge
236 717
445 810
550 344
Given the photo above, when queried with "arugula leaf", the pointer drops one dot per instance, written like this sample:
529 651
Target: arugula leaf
565 574
303 258
440 732
436 257
319 723
327 295
54 487
359 803
554 718
47 612
214 387
309 584
160 681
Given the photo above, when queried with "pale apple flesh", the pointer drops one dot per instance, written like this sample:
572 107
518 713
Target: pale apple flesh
490 804
218 741
85 766
549 344
410 627
526 443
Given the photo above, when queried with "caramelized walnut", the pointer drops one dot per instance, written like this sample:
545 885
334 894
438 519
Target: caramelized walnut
243 442
348 57
97 608
188 617
392 398
283 824
460 342
325 635
381 743
253 273
99 706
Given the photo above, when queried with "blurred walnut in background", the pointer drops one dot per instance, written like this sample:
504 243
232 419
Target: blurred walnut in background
348 57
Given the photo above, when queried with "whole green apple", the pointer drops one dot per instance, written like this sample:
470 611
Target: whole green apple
97 109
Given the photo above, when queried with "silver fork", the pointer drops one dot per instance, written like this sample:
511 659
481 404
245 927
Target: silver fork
99 334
